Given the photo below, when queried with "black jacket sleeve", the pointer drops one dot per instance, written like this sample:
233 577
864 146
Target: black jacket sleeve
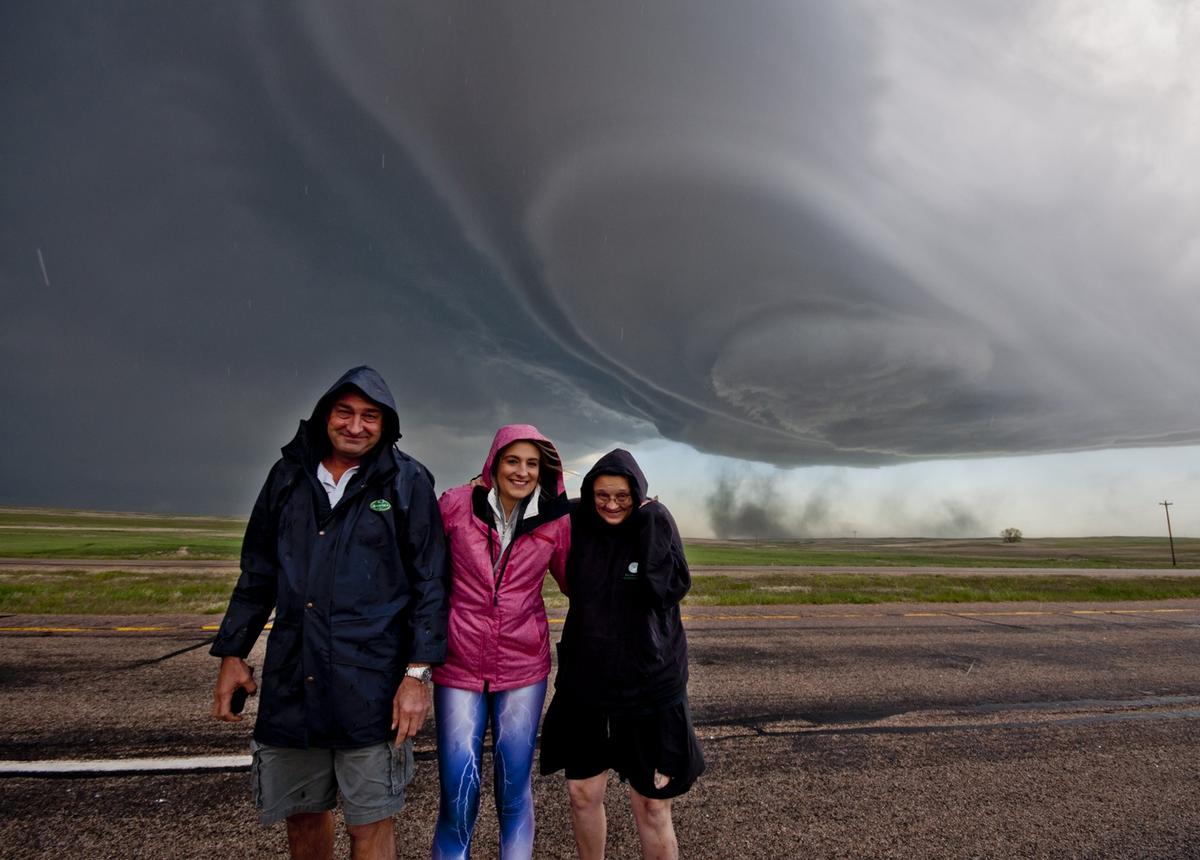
254 595
423 547
661 560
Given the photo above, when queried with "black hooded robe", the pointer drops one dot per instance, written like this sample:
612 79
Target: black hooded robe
623 647
620 697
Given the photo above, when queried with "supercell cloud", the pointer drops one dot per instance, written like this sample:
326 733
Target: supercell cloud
826 233
851 233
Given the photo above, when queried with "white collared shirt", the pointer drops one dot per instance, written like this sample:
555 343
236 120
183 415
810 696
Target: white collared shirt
334 489
508 525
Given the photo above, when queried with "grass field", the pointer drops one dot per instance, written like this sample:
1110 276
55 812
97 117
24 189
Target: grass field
40 533
1073 553
119 592
104 520
114 592
34 533
46 534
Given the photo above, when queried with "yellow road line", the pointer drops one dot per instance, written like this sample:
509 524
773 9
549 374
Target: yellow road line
1040 612
1008 613
206 627
1123 611
761 615
947 612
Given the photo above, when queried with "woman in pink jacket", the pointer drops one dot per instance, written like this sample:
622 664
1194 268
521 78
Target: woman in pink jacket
502 536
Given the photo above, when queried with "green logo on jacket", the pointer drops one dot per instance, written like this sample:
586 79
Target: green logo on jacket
381 505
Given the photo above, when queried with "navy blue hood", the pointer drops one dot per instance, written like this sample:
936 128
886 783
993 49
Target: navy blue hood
367 382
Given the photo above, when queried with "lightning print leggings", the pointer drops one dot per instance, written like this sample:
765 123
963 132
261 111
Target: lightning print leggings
462 719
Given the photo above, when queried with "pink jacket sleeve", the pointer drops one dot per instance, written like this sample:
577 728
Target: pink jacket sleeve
562 549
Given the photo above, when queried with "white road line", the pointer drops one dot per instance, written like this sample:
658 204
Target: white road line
100 767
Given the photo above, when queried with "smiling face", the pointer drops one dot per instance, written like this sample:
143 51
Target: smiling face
517 467
354 426
614 501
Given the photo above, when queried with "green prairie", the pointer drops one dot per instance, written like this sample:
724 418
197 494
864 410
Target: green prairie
126 592
84 544
103 519
1066 553
34 533
114 592
43 533
726 572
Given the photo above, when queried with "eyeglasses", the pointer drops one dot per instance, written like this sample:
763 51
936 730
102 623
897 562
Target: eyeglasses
623 500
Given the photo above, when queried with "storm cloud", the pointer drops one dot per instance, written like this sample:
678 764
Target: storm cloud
844 233
799 233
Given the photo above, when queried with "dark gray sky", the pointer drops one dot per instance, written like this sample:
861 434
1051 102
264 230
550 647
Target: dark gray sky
802 234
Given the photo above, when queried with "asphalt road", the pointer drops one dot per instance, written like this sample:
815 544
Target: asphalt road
897 731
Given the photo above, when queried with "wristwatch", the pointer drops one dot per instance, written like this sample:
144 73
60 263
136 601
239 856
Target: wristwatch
422 673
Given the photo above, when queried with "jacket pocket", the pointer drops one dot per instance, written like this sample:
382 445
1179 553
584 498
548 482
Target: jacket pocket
281 680
369 642
527 640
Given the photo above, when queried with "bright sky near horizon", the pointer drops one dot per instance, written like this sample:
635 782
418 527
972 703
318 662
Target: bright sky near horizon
826 268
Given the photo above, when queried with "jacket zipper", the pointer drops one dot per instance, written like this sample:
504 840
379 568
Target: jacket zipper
498 575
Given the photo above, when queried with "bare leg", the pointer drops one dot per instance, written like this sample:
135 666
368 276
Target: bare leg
310 835
374 841
587 815
655 828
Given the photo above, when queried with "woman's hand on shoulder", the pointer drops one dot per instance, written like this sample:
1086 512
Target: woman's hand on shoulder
455 497
463 489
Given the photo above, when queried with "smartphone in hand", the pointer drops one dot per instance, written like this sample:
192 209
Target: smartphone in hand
238 700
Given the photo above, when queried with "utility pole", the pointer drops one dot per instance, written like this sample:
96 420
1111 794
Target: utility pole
1167 509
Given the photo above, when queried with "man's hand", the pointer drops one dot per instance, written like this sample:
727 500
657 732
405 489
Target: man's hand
234 673
410 707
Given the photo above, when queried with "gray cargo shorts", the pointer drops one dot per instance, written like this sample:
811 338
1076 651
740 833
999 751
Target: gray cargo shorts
291 781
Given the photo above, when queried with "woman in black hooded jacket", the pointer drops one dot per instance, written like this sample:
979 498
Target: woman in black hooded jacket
620 699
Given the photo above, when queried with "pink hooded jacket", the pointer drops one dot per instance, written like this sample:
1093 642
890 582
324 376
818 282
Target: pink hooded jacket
497 629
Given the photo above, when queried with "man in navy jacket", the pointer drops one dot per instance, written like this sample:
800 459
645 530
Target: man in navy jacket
346 545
